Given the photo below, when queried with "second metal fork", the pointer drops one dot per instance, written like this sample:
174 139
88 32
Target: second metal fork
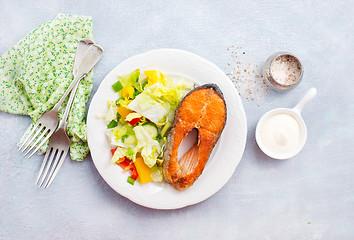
58 147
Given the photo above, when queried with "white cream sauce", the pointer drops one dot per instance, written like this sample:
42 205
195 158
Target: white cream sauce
280 133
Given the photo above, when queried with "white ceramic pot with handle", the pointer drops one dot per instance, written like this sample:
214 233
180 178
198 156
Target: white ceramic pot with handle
295 113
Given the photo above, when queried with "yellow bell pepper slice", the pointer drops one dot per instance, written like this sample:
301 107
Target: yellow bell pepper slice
127 92
154 76
143 170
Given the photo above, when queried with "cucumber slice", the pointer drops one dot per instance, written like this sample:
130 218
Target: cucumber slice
151 129
165 129
156 173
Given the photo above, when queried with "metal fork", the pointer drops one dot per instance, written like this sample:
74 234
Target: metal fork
59 143
48 122
58 147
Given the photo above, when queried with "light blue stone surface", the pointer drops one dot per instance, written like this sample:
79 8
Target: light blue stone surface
308 197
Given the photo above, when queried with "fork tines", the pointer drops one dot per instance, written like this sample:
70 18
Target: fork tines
33 139
44 180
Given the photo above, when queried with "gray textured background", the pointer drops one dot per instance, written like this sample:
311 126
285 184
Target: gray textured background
308 197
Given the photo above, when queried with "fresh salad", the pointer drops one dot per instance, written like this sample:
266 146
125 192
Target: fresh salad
139 120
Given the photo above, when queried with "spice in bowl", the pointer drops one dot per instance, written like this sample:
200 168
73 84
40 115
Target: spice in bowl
286 69
282 71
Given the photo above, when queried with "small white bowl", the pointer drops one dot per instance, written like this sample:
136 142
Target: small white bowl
296 114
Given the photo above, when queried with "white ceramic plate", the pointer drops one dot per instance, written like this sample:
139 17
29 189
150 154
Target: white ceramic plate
224 158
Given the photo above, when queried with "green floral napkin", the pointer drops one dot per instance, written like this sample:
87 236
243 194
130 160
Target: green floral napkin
35 72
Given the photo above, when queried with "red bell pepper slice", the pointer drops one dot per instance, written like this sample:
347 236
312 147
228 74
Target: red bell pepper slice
124 163
132 167
127 165
113 151
134 121
135 174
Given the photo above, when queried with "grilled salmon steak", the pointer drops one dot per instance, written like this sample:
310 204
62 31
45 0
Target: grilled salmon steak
203 109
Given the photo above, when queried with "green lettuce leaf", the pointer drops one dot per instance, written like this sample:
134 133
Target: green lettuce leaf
148 147
130 79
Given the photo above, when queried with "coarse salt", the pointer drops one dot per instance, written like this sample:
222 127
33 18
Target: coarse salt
246 75
286 69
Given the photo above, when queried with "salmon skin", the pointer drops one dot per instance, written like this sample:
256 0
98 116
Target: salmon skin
203 109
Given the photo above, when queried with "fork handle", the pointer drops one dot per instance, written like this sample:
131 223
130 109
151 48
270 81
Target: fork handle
67 91
62 123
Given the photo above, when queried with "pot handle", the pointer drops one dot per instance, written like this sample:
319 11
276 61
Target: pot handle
305 100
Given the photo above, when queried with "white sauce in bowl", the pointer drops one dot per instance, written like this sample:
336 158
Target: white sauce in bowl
280 133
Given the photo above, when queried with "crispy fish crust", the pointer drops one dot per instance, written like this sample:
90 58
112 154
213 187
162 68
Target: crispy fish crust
203 109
